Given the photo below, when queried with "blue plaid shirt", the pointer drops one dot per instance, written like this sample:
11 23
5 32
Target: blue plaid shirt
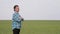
16 21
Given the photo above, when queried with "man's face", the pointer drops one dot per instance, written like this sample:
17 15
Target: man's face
17 9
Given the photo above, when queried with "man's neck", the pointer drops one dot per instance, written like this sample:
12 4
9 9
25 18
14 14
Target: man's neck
16 12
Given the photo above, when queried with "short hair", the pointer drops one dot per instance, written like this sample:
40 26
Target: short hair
15 7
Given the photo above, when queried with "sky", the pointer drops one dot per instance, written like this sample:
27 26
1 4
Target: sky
31 9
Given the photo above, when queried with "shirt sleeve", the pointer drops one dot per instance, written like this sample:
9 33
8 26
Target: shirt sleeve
16 18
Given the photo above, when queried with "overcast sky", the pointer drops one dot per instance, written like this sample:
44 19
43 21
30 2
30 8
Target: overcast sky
31 9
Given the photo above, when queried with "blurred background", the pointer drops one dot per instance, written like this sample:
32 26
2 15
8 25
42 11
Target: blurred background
31 9
41 16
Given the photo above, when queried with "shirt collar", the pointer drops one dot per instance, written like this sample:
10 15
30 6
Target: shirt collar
16 12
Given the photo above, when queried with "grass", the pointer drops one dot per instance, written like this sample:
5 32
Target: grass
32 27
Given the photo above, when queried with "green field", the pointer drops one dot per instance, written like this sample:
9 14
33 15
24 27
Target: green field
32 27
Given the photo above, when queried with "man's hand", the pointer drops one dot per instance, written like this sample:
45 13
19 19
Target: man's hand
22 19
